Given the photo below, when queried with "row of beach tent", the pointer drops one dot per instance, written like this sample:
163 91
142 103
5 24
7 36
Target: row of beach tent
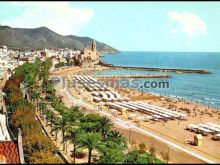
205 129
99 91
114 100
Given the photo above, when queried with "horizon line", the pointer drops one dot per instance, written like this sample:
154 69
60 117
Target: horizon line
169 51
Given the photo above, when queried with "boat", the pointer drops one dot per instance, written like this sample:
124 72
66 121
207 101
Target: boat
178 72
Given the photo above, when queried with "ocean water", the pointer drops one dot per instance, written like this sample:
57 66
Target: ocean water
200 88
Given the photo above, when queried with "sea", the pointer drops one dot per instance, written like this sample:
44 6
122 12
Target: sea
198 88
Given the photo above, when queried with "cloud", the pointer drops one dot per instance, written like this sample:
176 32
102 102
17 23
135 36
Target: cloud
58 16
189 43
189 23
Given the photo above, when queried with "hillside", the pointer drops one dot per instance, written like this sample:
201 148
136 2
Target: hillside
42 37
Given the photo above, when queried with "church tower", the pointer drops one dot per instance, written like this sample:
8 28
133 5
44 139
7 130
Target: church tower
93 45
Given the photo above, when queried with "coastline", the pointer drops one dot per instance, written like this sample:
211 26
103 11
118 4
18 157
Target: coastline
92 71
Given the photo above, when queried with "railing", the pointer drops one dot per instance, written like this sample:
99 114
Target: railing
20 148
13 134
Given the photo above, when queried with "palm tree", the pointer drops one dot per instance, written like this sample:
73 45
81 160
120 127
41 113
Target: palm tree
73 135
47 116
105 126
41 108
116 136
114 142
61 125
112 156
43 112
91 141
54 121
35 96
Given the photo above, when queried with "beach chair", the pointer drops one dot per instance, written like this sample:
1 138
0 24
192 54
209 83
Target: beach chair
216 137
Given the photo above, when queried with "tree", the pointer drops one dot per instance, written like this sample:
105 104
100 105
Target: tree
90 123
112 156
131 157
91 141
54 119
37 147
73 135
118 138
142 148
61 125
49 116
105 125
152 150
135 157
42 108
45 157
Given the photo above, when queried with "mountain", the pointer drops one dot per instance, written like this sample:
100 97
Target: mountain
42 37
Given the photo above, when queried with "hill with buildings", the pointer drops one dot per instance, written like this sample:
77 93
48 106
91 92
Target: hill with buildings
42 37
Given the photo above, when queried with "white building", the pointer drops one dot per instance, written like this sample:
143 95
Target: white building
4 135
3 49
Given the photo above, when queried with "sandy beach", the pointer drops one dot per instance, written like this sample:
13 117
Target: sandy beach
173 129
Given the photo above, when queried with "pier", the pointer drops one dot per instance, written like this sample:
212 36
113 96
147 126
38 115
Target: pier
134 76
157 69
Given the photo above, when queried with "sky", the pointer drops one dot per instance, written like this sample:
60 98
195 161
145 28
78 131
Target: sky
126 26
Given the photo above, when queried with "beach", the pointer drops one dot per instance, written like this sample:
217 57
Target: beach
174 130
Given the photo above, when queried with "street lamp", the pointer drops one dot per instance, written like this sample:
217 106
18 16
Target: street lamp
129 135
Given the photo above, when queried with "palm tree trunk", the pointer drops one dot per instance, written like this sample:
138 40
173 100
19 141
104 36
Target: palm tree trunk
46 121
55 136
40 113
37 105
51 127
90 156
74 153
66 146
62 139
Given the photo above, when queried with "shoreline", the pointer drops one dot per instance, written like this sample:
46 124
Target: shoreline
92 71
157 95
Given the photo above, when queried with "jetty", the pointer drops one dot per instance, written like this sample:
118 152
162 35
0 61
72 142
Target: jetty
156 69
134 76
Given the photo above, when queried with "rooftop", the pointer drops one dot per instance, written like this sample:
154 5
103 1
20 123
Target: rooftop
9 153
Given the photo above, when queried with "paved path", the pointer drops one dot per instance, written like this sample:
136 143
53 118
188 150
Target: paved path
126 124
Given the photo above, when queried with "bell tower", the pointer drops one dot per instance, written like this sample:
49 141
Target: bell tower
93 45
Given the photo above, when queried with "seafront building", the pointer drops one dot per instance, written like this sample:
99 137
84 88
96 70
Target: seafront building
7 64
88 57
